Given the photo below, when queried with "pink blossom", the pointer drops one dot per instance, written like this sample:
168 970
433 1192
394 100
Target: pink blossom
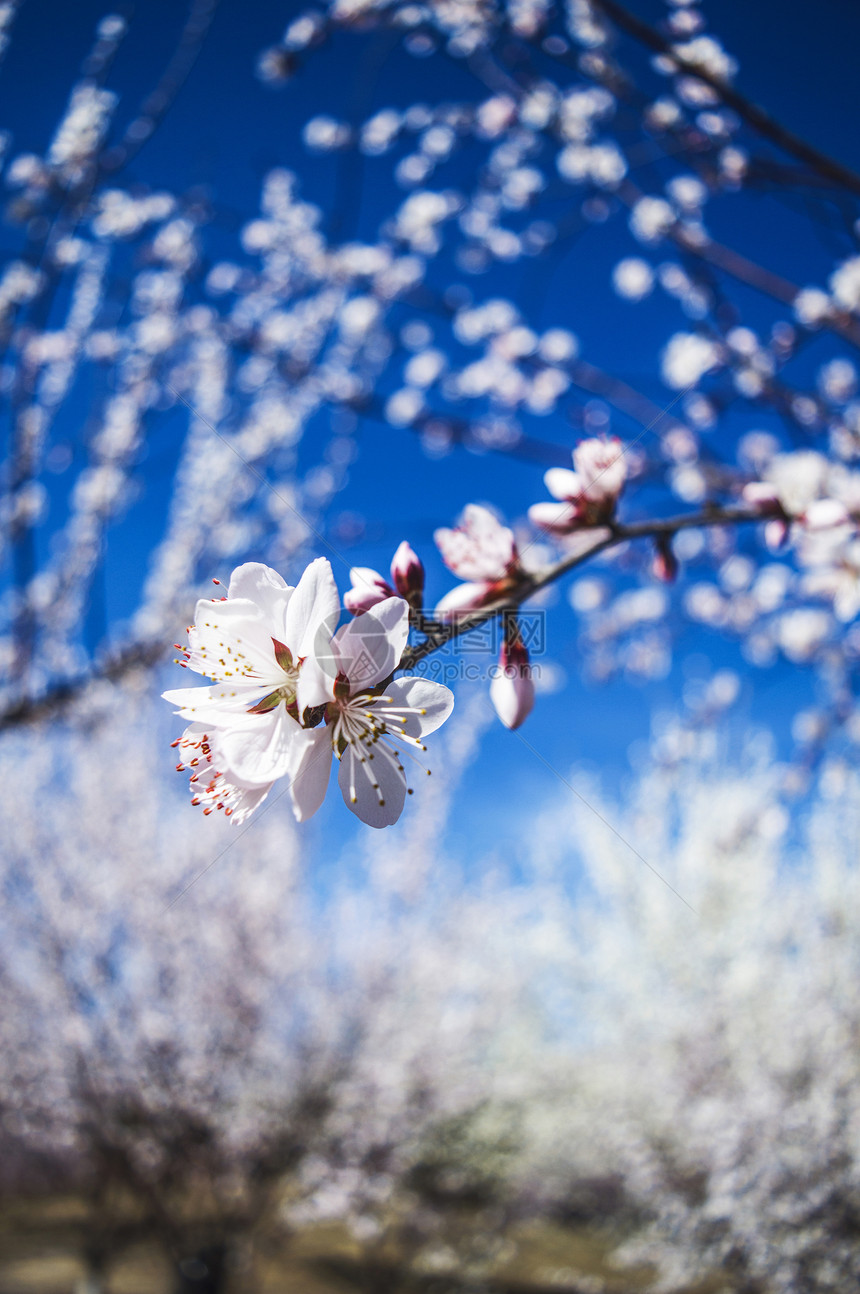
484 553
588 495
601 468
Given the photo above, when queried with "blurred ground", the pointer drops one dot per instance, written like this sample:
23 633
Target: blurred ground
40 1253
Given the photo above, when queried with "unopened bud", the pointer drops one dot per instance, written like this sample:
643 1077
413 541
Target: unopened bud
512 691
407 574
775 534
665 564
368 589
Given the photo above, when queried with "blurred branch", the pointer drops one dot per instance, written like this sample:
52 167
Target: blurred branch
828 167
739 267
465 432
112 670
157 103
623 397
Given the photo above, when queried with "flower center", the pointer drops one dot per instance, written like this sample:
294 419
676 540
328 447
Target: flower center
370 724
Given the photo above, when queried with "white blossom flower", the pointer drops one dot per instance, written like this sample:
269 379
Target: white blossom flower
368 730
811 307
687 358
262 646
633 278
798 479
845 284
651 218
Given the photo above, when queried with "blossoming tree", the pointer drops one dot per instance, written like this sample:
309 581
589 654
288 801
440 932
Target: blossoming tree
194 385
570 105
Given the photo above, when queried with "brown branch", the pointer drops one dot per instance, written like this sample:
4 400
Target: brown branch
623 397
156 104
438 635
828 168
700 244
146 654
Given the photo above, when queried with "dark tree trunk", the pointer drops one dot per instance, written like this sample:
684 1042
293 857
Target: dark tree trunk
203 1272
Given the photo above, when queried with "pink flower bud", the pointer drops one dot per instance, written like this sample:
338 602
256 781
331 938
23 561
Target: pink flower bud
407 573
775 534
665 564
512 691
368 589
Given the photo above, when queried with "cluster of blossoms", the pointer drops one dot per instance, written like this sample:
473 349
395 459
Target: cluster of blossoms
375 314
290 689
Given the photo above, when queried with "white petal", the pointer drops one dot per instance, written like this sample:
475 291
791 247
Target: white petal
232 640
369 647
378 805
313 612
434 700
260 752
310 771
243 800
557 518
219 704
202 756
562 483
315 684
367 577
463 599
266 589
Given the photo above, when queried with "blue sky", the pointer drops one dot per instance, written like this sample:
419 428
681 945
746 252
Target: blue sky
226 130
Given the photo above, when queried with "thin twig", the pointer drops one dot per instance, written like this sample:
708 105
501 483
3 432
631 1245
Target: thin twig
148 653
766 125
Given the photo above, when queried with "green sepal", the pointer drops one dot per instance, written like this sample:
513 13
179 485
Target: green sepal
268 703
283 656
